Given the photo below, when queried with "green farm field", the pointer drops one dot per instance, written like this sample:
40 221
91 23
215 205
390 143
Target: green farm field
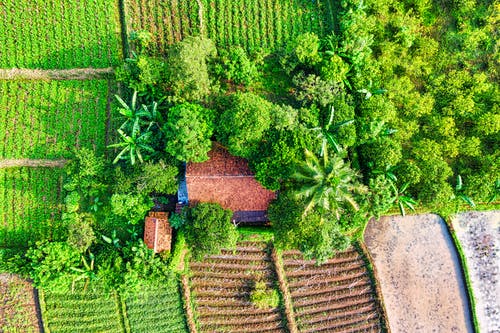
30 205
253 24
156 309
58 34
80 311
48 119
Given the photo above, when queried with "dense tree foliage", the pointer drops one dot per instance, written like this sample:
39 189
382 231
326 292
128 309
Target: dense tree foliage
188 131
244 122
208 229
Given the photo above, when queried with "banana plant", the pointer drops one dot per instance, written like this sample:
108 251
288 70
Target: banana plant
461 195
133 112
86 273
133 145
402 199
496 191
328 133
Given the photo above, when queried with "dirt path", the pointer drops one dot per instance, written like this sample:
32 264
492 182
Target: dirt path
479 236
56 74
25 162
419 274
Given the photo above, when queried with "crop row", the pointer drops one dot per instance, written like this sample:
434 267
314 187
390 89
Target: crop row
52 34
29 205
156 309
167 21
80 311
260 23
49 119
249 23
335 297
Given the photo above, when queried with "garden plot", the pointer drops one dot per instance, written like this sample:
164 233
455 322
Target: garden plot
221 286
334 297
479 236
17 305
419 274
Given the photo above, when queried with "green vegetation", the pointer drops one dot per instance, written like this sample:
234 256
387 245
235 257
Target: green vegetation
49 119
347 108
82 311
30 205
51 34
263 297
209 229
156 308
251 24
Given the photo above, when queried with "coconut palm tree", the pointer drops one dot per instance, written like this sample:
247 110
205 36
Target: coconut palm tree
327 183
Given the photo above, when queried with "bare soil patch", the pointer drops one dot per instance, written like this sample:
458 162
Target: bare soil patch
56 74
420 275
25 162
479 236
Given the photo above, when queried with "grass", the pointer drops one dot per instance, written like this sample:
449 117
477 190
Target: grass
54 34
257 234
29 205
48 119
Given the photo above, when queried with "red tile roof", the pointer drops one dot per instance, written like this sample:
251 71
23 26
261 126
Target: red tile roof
157 232
227 180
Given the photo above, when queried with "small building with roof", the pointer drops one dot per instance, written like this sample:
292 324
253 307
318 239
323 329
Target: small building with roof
158 232
228 181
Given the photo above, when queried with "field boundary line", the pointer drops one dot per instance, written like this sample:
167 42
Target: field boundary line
372 273
32 163
56 74
186 295
200 17
43 309
283 285
122 310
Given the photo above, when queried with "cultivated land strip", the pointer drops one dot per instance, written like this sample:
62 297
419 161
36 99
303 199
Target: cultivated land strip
33 163
57 74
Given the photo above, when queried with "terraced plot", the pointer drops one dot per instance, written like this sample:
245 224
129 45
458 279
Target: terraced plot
156 309
54 34
221 285
248 23
48 119
30 209
334 297
82 312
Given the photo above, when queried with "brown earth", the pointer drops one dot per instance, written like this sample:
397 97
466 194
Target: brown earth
25 162
56 74
419 274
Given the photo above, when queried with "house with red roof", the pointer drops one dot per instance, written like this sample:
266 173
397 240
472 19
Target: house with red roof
228 181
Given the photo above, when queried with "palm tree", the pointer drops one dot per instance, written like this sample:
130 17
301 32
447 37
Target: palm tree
327 183
328 133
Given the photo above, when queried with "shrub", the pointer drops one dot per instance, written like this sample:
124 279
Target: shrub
263 297
132 207
235 66
80 232
209 229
